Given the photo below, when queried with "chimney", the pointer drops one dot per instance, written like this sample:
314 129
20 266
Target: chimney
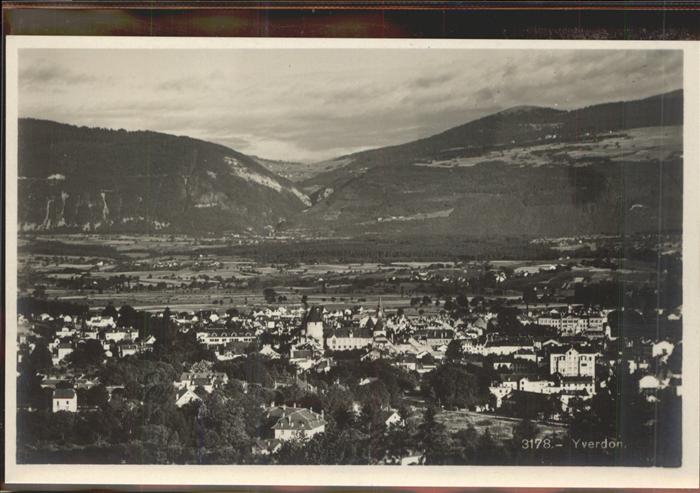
284 406
273 404
295 405
321 413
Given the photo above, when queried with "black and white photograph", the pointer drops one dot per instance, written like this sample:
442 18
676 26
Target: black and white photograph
288 254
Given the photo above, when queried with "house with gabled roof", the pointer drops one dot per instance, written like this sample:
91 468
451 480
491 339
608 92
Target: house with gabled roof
391 417
266 446
185 396
289 423
269 352
348 337
207 380
65 400
63 349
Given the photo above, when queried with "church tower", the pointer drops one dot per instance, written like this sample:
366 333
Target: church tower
314 323
378 319
380 310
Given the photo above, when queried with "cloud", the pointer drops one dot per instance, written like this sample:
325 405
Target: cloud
432 80
49 75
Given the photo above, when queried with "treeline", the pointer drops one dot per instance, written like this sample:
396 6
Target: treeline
666 295
422 248
59 248
30 305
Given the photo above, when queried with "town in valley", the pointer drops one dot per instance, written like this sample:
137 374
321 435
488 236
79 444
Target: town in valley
129 356
443 256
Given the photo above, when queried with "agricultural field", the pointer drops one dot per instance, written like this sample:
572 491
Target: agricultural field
635 145
500 427
155 271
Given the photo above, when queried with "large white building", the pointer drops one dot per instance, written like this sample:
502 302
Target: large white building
573 363
295 422
573 325
121 334
348 338
223 336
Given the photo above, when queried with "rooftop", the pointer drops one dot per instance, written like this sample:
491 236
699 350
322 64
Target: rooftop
63 394
295 418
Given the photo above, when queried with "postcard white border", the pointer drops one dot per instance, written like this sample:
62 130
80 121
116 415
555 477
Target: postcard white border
686 476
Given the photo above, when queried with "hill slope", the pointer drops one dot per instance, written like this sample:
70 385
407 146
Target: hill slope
515 127
609 168
78 178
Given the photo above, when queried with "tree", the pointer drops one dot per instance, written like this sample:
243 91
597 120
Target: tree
373 427
398 442
452 385
110 311
94 396
529 296
270 295
434 438
507 321
524 431
127 316
87 353
466 440
225 429
30 393
158 440
166 321
462 301
61 427
454 350
487 451
40 358
292 452
669 445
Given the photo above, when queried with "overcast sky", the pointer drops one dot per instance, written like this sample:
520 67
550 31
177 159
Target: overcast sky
318 104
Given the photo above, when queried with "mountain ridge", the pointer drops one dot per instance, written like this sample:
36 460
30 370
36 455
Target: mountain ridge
613 168
92 179
610 168
477 135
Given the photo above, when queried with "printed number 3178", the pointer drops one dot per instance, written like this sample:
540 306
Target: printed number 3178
536 443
